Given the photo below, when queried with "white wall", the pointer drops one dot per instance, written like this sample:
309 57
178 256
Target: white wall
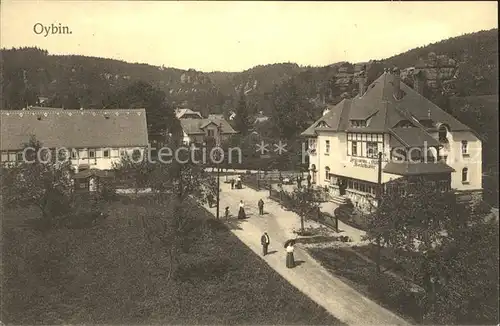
472 161
185 138
100 162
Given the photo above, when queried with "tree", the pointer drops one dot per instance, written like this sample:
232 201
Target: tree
160 115
305 202
242 121
135 167
468 294
71 102
39 180
175 185
441 239
292 112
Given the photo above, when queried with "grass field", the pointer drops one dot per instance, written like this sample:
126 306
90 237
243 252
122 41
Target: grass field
109 274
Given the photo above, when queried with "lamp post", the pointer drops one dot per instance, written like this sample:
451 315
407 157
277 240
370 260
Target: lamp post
219 127
379 201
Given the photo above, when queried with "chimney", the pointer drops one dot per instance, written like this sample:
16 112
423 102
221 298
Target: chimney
362 82
397 82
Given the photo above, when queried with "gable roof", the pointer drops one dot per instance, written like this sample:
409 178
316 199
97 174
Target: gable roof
206 123
74 128
195 126
187 113
385 110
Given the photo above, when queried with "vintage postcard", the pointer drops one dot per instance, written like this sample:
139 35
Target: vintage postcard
249 162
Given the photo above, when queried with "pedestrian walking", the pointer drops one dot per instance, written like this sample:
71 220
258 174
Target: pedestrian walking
241 213
309 180
261 207
290 260
226 212
265 241
232 183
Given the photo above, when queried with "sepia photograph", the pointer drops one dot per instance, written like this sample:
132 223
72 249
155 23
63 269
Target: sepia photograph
249 162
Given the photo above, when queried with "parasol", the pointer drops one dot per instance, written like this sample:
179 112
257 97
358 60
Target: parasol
288 242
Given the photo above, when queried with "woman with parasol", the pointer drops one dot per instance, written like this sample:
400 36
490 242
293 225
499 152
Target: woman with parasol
289 246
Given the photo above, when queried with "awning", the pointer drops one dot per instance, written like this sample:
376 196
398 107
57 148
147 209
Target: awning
406 168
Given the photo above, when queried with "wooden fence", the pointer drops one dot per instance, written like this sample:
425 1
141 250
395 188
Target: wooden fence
317 215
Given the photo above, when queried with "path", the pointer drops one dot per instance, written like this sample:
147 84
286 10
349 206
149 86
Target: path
309 276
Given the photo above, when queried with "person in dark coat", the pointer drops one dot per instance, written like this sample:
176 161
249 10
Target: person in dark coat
309 180
210 199
241 213
261 207
232 183
265 241
226 212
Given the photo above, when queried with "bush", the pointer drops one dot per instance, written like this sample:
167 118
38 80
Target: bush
108 191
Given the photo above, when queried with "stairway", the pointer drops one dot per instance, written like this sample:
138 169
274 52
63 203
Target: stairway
339 200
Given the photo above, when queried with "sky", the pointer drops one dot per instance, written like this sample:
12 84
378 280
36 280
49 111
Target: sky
234 36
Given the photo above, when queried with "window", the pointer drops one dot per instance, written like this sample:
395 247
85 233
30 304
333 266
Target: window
123 153
211 133
464 147
106 153
354 148
364 144
465 175
19 157
136 154
443 185
327 147
91 153
12 157
327 173
358 123
5 157
74 155
62 154
371 149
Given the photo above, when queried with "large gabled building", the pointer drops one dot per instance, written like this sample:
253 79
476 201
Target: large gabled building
416 139
94 139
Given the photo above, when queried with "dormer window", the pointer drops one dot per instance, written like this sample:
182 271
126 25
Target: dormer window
322 124
443 134
358 123
405 124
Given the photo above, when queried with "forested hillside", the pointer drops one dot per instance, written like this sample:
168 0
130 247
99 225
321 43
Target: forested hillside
79 81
